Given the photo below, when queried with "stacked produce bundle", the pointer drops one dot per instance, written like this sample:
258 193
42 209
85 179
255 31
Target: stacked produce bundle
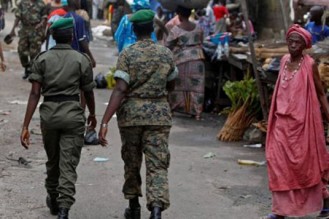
245 105
193 4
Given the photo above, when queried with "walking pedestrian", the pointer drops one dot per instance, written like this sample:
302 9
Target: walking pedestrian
145 73
32 14
59 74
298 161
185 40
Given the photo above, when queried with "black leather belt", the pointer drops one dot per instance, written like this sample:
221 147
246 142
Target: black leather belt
61 98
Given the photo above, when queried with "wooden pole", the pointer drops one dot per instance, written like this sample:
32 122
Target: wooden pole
285 21
254 60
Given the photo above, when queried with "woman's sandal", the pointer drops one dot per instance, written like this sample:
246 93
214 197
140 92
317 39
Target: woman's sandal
270 216
324 214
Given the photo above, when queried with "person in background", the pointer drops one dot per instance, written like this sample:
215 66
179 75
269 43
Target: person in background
118 13
53 5
318 30
58 75
159 25
145 73
204 22
185 40
296 154
2 59
124 36
32 14
220 13
80 40
52 17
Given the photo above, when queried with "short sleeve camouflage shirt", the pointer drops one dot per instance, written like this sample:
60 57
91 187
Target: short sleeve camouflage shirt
146 67
30 13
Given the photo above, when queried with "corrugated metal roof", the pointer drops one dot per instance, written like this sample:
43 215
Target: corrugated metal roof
316 2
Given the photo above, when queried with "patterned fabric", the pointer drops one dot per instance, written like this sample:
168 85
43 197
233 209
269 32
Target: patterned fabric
188 96
30 13
153 142
146 67
187 44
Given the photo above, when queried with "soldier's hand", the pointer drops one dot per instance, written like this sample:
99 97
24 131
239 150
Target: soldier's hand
39 25
25 138
102 136
91 121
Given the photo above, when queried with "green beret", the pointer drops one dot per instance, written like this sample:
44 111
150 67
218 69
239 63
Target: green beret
62 24
142 16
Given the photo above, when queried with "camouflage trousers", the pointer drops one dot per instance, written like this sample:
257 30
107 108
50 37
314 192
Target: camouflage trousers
29 44
153 142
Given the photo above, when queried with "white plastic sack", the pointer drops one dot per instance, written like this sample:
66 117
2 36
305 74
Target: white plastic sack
172 4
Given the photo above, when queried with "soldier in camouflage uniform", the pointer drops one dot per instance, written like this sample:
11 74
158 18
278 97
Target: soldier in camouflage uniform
145 72
32 14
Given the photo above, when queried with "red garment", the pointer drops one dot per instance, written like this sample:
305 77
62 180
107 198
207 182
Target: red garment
295 145
60 12
219 11
295 28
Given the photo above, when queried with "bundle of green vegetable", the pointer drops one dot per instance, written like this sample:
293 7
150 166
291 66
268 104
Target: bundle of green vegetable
245 106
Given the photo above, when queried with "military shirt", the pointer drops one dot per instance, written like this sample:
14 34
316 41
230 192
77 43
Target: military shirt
30 13
62 71
146 67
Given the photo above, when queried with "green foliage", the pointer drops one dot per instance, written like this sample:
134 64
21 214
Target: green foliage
241 93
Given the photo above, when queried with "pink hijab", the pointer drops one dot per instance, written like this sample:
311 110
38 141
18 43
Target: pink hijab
295 28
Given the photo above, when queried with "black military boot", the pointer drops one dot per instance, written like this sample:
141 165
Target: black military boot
63 213
52 205
156 213
134 209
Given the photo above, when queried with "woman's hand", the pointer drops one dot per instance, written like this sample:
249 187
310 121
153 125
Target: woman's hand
25 138
102 135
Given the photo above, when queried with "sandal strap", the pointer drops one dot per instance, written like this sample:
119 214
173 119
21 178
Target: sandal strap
325 210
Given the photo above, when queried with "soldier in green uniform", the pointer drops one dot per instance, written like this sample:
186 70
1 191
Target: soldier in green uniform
59 74
145 72
32 14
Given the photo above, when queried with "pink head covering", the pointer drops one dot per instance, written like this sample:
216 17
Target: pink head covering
295 28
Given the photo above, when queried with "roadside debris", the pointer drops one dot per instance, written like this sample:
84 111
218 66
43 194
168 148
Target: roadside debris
5 113
36 132
21 161
209 155
101 159
3 121
18 102
251 162
252 145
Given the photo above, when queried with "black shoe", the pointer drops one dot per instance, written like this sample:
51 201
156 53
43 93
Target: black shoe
52 205
156 213
132 213
63 213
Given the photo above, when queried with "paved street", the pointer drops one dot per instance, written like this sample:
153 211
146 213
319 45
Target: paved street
200 188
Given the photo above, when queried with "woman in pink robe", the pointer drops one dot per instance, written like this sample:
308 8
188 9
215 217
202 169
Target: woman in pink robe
298 161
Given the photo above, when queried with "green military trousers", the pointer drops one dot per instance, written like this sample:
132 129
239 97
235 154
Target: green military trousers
63 147
29 44
153 142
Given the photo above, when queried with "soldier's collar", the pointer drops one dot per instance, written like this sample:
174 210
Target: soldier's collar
62 46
